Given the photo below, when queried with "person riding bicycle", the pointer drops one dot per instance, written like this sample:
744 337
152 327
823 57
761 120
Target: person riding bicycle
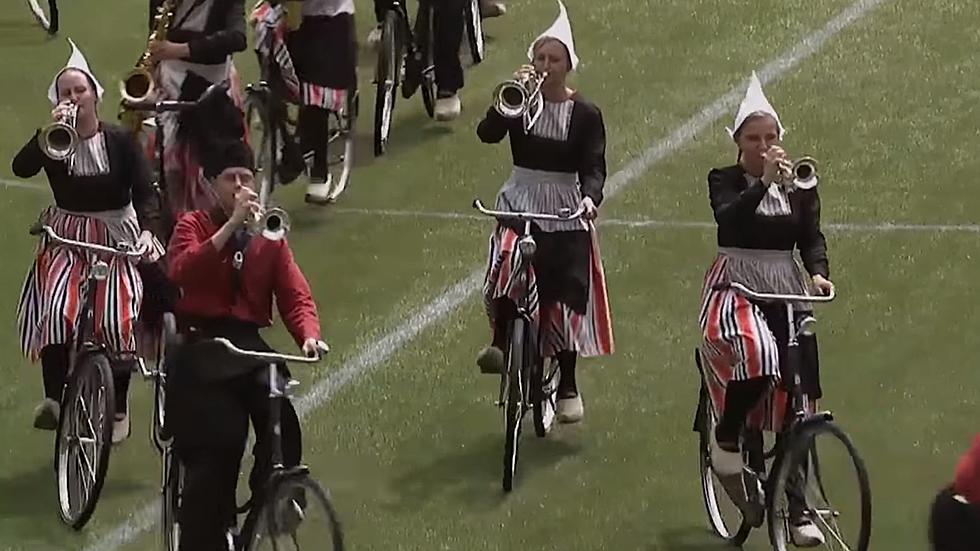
103 195
319 73
560 163
954 524
448 20
228 281
760 223
196 53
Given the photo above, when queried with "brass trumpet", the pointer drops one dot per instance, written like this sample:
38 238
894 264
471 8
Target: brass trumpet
802 174
272 224
59 139
521 96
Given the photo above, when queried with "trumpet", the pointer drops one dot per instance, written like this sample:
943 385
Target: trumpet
521 96
59 139
272 224
801 174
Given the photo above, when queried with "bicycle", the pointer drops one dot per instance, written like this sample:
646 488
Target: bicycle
84 434
406 58
270 127
796 465
289 497
528 382
48 19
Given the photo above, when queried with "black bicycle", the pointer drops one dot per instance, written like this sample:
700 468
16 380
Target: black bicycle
292 511
406 59
271 122
529 382
84 437
815 471
46 14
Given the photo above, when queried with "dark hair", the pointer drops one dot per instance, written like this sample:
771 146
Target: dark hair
752 116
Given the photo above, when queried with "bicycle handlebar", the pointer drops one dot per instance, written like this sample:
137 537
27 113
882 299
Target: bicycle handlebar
564 215
271 356
743 290
163 106
131 251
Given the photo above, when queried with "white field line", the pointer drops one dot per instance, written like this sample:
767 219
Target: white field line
378 352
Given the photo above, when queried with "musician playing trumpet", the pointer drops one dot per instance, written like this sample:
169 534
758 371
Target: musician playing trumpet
559 163
103 195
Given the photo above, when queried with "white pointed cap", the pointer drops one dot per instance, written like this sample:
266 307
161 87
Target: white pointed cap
754 102
560 30
75 61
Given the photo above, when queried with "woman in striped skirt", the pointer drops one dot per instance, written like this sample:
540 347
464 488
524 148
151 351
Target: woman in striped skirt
102 195
560 163
760 224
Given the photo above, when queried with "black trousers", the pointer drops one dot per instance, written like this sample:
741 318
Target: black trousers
211 399
448 19
954 526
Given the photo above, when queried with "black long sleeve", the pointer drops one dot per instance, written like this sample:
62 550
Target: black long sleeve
493 128
29 160
811 241
592 167
731 200
215 47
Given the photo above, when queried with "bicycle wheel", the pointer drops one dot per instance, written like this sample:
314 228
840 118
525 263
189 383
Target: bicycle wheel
820 477
260 137
514 399
474 32
168 336
299 516
173 484
46 14
342 130
724 516
427 39
390 61
544 394
84 439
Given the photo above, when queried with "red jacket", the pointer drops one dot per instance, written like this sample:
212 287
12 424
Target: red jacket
967 481
206 278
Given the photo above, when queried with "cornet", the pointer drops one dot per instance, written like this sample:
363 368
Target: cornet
272 224
802 174
59 139
521 96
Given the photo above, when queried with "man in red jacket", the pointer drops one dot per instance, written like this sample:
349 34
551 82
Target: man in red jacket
228 280
955 522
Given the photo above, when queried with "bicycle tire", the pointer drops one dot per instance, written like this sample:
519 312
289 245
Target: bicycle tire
544 393
387 80
48 20
345 124
260 138
92 372
173 484
709 492
514 401
474 32
802 449
271 523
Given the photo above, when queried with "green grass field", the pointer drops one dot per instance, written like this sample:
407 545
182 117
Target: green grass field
411 448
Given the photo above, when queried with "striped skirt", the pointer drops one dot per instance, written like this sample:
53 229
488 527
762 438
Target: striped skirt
742 340
53 293
558 325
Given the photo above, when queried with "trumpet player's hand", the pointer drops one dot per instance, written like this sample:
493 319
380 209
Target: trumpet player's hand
589 210
823 285
161 50
776 165
60 111
245 206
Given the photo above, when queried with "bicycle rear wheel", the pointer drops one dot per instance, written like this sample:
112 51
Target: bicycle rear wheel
46 14
298 516
261 138
427 40
341 133
84 439
173 484
829 479
474 31
387 79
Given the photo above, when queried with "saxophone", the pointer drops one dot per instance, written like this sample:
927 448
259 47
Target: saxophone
138 85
